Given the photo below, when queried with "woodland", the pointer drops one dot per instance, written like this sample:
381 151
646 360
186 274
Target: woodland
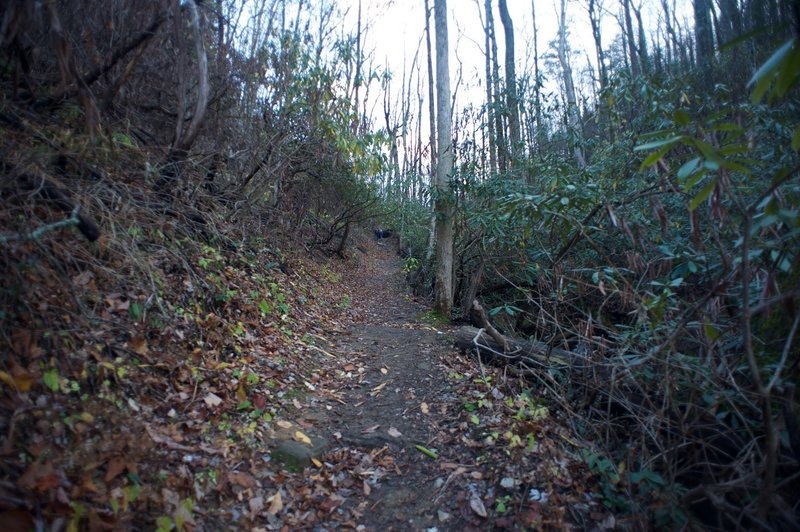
191 190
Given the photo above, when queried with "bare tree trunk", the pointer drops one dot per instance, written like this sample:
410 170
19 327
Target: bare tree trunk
703 35
490 110
444 209
537 101
201 104
512 101
635 69
499 126
573 115
595 8
642 50
432 117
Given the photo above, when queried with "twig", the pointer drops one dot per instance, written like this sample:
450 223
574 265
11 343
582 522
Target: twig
36 234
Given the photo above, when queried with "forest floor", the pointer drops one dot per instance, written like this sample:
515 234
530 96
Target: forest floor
428 438
312 394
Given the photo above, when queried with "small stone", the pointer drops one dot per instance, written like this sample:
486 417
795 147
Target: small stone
438 483
296 455
508 483
443 516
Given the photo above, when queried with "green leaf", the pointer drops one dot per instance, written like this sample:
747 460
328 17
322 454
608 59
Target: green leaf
264 306
702 195
658 143
762 79
654 157
474 420
709 151
796 139
694 179
688 167
427 452
744 37
680 117
51 380
711 332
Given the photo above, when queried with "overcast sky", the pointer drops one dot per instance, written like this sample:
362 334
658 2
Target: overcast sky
396 26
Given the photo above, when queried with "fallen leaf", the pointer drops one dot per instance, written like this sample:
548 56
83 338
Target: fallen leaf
366 488
394 433
38 476
277 504
139 345
309 386
477 505
256 504
21 378
384 371
316 462
284 424
371 429
299 436
349 367
427 452
240 478
212 400
24 343
424 407
166 440
297 404
83 278
114 468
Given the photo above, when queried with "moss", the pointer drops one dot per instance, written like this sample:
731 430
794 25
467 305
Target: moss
435 318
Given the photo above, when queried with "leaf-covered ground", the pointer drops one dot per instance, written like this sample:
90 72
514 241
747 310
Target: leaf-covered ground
308 393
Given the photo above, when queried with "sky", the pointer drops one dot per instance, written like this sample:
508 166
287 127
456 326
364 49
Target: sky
397 25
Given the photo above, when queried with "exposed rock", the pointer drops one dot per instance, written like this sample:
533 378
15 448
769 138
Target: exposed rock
295 455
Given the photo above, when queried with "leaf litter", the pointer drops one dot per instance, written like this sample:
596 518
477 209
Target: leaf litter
174 423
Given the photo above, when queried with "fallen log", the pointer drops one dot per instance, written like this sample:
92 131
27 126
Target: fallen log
531 353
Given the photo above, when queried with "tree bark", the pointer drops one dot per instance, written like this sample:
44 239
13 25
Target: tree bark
634 60
595 11
432 117
444 164
497 105
573 115
532 353
512 101
490 110
537 99
703 35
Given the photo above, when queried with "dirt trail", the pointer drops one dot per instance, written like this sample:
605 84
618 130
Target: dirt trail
396 399
419 437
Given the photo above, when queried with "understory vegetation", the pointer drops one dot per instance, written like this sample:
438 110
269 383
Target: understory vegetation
169 170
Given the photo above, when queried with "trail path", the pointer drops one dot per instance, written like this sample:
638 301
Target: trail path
415 436
397 397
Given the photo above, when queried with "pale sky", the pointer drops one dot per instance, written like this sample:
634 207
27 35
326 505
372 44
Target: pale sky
395 28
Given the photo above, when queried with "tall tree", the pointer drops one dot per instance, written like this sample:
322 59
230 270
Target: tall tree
512 102
444 165
573 114
595 8
432 117
703 33
499 126
642 49
490 124
537 98
629 38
